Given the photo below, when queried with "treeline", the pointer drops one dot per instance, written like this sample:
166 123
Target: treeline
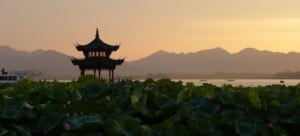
287 75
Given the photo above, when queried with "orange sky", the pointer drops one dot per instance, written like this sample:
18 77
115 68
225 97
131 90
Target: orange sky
143 26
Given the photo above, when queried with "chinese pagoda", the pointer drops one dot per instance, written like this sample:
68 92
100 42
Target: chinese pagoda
97 57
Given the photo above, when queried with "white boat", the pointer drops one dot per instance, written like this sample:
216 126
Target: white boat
13 77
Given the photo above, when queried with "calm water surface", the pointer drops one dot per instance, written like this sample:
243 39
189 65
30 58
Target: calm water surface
235 82
243 82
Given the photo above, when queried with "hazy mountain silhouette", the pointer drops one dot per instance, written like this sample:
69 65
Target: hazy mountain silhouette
249 60
214 60
50 63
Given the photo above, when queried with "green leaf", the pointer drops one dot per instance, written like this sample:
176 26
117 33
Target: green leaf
140 108
77 123
254 99
130 126
277 131
112 127
27 105
275 104
49 121
232 117
95 90
5 97
88 79
3 132
201 126
29 114
182 96
22 131
290 105
293 119
10 113
9 133
146 131
76 95
134 99
246 129
164 102
197 103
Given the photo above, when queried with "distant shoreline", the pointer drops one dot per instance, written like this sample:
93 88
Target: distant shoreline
224 76
220 82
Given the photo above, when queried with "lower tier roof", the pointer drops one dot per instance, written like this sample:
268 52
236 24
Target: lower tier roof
97 63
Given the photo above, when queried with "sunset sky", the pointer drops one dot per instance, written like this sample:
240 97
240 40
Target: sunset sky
145 26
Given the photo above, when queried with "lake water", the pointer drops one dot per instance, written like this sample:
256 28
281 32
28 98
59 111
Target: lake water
235 82
243 82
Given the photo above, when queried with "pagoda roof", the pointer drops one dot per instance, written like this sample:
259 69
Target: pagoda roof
97 62
97 45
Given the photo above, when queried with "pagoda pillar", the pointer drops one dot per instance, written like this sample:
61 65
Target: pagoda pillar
112 76
82 72
109 75
99 74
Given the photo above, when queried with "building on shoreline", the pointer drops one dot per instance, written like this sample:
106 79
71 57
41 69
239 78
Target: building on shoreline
97 57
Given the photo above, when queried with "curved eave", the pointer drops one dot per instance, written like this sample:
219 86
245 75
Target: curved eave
120 61
79 47
97 44
75 61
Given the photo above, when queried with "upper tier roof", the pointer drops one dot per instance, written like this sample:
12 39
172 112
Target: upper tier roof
97 45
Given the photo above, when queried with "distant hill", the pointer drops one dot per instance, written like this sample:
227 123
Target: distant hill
57 65
50 63
214 60
287 75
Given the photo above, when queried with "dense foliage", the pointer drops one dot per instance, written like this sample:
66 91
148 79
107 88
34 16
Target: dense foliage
159 108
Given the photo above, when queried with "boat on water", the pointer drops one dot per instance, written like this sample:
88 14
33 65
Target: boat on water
230 80
281 81
14 77
11 78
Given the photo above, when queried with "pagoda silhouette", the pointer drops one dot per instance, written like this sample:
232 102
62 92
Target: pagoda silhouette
97 57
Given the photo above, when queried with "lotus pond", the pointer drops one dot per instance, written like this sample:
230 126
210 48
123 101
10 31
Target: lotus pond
148 108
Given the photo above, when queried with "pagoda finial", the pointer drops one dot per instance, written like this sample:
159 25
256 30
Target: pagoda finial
97 34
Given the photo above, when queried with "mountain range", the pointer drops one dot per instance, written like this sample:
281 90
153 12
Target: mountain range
53 64
248 60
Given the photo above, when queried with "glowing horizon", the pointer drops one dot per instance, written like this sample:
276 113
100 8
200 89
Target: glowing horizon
143 27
